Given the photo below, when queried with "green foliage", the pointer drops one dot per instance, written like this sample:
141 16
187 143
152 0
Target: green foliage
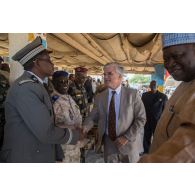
140 79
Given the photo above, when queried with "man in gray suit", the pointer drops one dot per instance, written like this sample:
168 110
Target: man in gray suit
30 134
120 115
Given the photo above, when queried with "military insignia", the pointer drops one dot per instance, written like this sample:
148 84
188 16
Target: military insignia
34 78
54 98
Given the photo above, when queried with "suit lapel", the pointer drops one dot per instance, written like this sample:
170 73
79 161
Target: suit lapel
105 101
122 105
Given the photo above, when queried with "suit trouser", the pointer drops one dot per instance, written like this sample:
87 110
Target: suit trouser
148 133
111 152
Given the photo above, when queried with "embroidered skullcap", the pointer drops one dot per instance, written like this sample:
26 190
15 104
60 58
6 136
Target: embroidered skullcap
170 39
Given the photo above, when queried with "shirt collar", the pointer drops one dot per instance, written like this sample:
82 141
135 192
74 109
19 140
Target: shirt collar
39 79
118 90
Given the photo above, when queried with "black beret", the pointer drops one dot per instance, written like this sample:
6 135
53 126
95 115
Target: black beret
60 73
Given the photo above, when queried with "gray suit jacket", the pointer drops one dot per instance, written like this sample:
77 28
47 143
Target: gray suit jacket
30 134
131 119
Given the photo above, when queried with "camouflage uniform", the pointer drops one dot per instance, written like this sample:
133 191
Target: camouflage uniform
79 94
4 86
67 115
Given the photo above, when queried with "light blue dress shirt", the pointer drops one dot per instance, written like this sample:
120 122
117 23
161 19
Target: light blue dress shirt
117 98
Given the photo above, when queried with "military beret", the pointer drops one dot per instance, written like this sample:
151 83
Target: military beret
29 51
170 39
81 69
57 74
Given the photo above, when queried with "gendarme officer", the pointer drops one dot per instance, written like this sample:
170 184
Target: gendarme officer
30 134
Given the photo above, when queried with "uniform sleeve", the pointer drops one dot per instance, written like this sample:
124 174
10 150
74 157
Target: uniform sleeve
139 119
58 114
78 117
37 117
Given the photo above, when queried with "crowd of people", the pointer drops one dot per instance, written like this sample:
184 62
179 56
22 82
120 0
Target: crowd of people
49 120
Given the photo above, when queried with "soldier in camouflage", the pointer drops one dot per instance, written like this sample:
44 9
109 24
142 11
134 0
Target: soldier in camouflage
79 94
67 113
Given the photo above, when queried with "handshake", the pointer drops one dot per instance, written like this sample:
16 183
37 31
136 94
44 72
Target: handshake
83 131
82 135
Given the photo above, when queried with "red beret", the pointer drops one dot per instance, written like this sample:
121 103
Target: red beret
81 69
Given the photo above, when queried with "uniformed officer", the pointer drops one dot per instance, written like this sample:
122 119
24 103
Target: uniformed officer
30 133
154 103
79 94
67 113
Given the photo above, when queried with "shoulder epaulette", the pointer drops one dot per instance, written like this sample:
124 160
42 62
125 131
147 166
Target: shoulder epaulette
26 81
32 79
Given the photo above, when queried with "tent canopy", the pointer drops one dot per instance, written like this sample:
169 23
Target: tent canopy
137 52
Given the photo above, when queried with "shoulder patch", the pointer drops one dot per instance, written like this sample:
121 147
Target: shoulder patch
34 78
54 98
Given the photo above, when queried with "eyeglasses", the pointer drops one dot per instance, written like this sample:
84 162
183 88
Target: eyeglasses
46 60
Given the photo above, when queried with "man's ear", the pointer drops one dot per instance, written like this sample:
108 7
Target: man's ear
36 62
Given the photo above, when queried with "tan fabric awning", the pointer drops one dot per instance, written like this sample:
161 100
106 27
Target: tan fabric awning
137 52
